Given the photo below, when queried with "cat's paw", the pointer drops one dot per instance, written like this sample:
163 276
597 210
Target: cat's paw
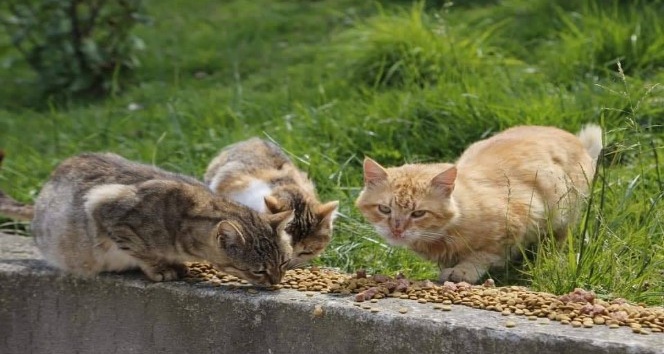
459 274
166 272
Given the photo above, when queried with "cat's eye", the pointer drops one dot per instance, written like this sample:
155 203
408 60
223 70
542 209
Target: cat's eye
305 253
384 209
417 214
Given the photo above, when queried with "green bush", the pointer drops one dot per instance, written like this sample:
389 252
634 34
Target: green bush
76 47
397 50
594 39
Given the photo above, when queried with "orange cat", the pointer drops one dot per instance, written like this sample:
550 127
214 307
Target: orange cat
502 193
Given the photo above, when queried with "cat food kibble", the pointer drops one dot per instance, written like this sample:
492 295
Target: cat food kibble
580 308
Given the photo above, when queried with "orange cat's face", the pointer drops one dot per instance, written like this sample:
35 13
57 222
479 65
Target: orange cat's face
408 203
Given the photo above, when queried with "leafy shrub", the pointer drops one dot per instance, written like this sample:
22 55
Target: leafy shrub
75 46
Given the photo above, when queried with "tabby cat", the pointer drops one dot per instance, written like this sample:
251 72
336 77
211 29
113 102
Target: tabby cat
100 212
258 174
501 194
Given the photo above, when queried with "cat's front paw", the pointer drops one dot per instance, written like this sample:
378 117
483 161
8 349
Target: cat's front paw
459 274
166 272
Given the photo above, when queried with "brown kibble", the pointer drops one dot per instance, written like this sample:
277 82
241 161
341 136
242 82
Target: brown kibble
578 295
579 308
379 278
318 311
510 324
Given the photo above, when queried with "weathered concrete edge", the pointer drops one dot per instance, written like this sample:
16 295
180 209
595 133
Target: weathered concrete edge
42 311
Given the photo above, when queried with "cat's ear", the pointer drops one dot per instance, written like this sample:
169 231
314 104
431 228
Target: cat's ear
279 221
228 234
327 211
444 181
373 172
273 204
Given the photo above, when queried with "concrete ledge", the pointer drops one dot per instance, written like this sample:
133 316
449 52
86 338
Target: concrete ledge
42 311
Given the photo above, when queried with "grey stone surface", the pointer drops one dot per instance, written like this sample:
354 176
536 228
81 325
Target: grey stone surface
43 311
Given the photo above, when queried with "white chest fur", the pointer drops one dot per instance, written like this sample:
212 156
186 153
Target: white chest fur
253 195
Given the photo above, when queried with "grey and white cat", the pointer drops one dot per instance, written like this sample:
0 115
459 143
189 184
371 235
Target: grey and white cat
257 173
100 212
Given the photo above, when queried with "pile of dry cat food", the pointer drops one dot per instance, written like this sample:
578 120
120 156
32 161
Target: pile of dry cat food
579 308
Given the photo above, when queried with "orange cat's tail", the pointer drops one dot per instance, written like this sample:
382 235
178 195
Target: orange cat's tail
591 138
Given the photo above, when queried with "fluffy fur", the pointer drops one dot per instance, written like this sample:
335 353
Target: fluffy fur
260 175
101 212
501 194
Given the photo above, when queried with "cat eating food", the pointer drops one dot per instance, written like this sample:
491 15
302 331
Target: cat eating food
502 193
100 212
258 174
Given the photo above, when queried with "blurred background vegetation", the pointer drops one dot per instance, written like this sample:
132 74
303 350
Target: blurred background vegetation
170 82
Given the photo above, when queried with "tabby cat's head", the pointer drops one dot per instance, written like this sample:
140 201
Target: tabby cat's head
255 247
408 203
311 227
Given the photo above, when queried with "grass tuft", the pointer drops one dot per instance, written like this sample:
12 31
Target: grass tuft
411 48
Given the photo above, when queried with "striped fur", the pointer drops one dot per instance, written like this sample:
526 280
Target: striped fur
259 174
101 212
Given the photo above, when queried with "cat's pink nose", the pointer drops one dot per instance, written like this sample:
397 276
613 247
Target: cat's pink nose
397 232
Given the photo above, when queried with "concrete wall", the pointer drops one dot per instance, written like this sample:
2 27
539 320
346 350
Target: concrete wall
42 311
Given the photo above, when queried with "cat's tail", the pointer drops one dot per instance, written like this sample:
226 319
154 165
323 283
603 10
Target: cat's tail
13 209
591 138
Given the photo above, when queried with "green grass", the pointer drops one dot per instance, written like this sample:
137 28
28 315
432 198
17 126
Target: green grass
333 81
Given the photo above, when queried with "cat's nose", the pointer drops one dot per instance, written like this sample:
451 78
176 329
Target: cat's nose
274 279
